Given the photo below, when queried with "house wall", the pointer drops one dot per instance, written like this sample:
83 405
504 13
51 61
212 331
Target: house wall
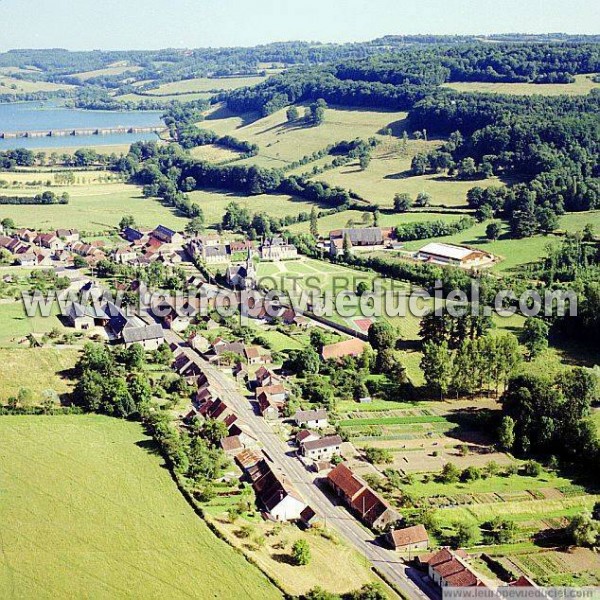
289 509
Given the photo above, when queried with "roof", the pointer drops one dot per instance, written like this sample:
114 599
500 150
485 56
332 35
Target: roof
247 458
351 347
303 434
409 535
345 480
304 416
308 514
362 235
231 443
464 578
324 442
270 390
447 251
369 505
272 486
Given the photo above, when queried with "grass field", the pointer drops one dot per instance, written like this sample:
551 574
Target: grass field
94 207
577 221
10 85
88 511
37 369
513 253
583 85
214 203
343 219
281 143
214 153
204 84
15 325
107 72
389 174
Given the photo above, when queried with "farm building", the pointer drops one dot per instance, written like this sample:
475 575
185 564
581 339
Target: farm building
166 235
361 499
133 330
448 254
313 419
409 538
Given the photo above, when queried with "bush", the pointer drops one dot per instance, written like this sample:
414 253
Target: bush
532 468
301 552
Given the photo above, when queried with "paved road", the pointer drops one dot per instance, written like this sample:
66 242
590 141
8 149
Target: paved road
336 517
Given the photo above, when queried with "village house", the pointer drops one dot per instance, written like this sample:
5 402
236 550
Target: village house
27 259
255 355
351 347
305 435
124 255
264 377
166 235
130 330
269 408
371 508
83 317
449 568
277 248
313 419
246 459
322 449
409 538
275 493
68 235
447 254
277 392
220 347
209 250
26 235
50 241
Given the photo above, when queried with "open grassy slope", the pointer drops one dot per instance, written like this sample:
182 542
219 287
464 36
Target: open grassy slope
93 207
583 85
87 511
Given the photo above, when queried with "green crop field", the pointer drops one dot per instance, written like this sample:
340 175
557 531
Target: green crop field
93 207
583 85
88 511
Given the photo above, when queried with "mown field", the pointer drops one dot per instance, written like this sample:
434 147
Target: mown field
15 325
88 511
204 84
583 85
116 69
93 207
37 370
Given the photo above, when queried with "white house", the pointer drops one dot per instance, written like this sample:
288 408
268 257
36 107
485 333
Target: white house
313 419
323 448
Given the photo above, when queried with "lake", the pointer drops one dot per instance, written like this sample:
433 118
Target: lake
37 116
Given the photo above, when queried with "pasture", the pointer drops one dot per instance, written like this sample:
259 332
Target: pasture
357 218
116 69
93 207
583 85
389 173
281 142
214 203
88 510
11 85
36 369
15 325
205 85
214 153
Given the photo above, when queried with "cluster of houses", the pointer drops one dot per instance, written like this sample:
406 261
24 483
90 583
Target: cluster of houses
212 249
31 248
145 246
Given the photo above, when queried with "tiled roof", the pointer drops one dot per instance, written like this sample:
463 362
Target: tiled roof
409 535
345 480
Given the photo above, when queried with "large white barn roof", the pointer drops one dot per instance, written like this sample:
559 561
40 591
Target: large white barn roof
446 251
